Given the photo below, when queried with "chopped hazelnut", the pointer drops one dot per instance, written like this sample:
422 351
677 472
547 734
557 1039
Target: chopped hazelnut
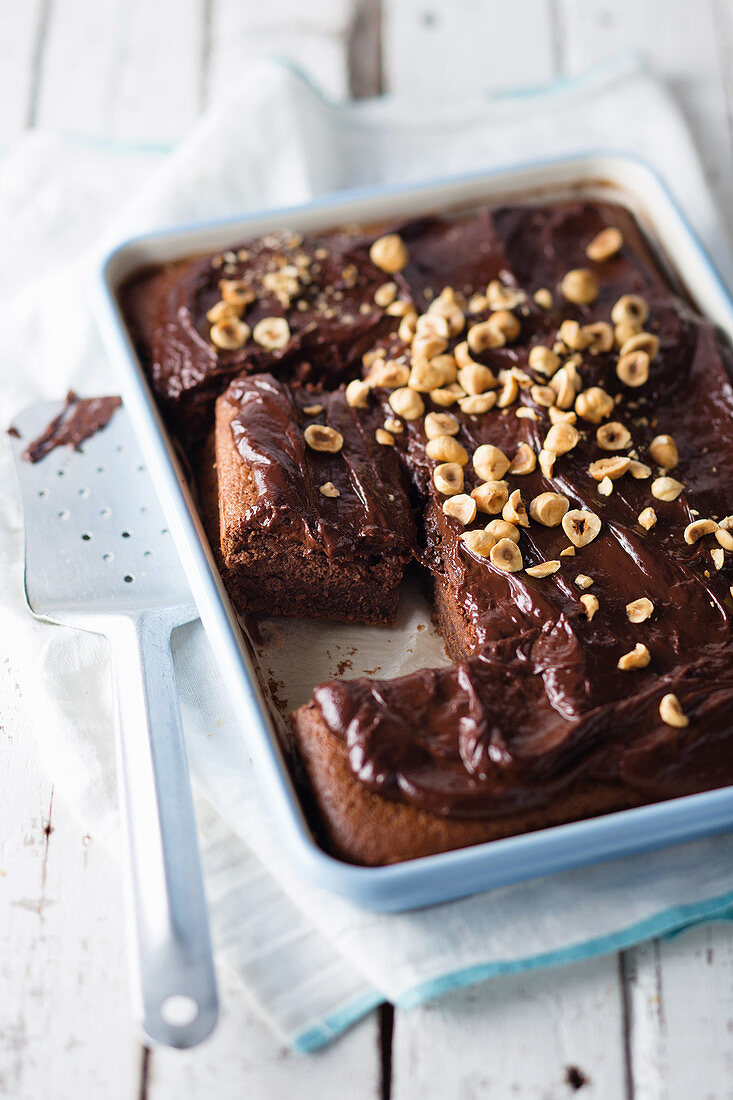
514 510
271 333
236 292
388 373
447 395
500 296
580 286
357 394
638 611
581 526
392 424
489 462
319 437
328 489
613 436
546 460
563 384
446 305
647 518
229 335
671 713
384 437
641 341
544 569
543 298
478 542
441 424
549 508
725 538
444 448
407 403
543 360
389 253
599 337
400 308
666 488
583 580
448 479
639 470
544 396
385 294
406 327
718 556
426 345
312 410
491 496
561 438
524 460
590 604
507 323
612 468
461 507
633 369
477 403
605 245
425 376
508 393
624 331
507 556
568 552
573 335
630 307
605 486
594 404
476 378
502 529
223 311
483 336
698 529
663 451
638 657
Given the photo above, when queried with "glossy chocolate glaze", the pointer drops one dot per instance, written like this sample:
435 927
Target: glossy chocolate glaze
79 419
368 516
539 703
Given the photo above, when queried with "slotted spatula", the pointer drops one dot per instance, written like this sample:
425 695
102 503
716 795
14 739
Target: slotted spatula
98 556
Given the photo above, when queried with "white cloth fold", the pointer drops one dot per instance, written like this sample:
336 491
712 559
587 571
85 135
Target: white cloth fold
312 963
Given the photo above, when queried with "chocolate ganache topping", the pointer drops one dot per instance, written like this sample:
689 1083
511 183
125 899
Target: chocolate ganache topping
592 630
80 419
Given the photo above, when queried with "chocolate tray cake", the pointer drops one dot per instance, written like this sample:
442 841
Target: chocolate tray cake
524 403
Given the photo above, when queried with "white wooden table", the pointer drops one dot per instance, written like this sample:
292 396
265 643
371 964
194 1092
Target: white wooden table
653 1022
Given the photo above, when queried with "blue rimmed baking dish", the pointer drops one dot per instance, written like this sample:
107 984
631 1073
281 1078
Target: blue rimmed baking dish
419 882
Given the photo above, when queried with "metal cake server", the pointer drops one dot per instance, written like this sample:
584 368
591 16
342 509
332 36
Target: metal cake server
98 556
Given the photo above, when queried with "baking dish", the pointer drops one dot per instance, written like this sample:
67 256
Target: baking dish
452 874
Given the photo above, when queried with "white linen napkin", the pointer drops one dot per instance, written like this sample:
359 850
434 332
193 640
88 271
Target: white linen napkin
311 962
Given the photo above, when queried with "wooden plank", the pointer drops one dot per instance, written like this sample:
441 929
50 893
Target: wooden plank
682 43
433 46
524 1036
64 1014
680 1003
21 38
312 37
242 1058
127 70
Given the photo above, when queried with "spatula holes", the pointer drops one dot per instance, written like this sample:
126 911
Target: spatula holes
164 531
60 473
128 578
141 469
64 513
105 513
86 536
109 556
147 553
84 492
125 534
43 492
101 469
119 448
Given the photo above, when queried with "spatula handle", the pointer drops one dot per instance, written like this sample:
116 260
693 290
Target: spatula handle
175 979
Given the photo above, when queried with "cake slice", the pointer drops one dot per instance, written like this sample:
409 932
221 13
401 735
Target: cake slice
314 517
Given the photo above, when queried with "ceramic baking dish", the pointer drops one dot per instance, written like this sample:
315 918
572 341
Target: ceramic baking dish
452 874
